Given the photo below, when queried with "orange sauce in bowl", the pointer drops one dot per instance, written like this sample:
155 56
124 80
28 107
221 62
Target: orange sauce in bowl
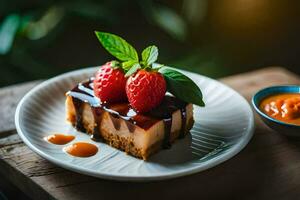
283 107
81 149
59 139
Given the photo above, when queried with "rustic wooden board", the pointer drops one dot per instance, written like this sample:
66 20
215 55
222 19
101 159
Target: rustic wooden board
9 98
248 83
268 168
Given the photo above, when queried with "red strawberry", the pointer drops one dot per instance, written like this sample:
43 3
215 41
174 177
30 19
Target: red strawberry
109 84
145 90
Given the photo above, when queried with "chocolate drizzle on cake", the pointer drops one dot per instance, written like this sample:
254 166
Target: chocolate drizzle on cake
97 116
168 124
78 104
84 93
183 122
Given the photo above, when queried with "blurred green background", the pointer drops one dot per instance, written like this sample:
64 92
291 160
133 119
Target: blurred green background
40 39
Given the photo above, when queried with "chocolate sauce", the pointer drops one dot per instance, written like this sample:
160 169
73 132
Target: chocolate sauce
84 93
78 104
167 139
130 125
97 113
115 120
183 122
96 137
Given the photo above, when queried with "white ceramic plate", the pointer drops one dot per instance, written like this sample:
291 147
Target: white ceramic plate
221 130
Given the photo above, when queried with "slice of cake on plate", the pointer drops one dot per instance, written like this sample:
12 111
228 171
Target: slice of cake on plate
126 104
139 134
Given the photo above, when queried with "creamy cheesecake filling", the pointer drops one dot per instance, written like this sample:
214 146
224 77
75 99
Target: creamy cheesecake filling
171 116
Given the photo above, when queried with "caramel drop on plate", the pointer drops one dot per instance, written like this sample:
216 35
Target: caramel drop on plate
81 149
59 139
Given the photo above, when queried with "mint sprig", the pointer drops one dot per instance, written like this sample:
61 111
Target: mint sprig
149 55
178 84
182 86
117 46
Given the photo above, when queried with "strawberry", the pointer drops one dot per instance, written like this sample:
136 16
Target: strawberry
145 90
109 84
146 85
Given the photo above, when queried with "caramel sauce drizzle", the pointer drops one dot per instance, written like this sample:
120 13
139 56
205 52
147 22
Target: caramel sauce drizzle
81 149
59 139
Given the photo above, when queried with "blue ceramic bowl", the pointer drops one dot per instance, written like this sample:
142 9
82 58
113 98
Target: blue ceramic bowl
279 126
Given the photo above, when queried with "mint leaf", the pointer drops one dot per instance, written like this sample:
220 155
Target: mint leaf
133 69
182 86
117 46
149 55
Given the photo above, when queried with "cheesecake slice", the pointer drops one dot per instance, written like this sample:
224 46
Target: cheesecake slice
121 127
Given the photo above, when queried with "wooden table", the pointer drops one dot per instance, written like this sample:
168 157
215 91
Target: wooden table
268 168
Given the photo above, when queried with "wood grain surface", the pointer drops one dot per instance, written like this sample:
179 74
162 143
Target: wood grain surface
9 98
268 168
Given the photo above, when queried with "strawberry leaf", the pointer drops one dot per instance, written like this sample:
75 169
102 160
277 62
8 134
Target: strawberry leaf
149 55
133 69
182 86
157 66
128 64
117 46
115 64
